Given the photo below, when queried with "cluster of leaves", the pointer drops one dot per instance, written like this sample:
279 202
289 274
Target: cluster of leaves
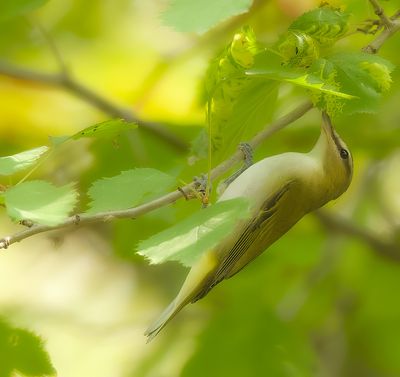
242 91
241 88
41 202
235 108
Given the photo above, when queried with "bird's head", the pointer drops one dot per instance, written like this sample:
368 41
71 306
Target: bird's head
335 157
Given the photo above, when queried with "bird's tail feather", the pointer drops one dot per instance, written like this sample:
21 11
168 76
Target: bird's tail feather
172 309
195 286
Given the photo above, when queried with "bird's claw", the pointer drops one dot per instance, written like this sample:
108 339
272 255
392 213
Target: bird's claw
203 188
247 151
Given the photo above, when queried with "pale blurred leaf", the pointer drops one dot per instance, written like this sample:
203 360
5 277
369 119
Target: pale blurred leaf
40 201
12 164
188 239
200 16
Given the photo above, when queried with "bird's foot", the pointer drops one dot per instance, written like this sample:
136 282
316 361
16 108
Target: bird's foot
247 151
202 187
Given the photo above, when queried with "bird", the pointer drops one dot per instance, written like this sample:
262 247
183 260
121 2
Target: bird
280 189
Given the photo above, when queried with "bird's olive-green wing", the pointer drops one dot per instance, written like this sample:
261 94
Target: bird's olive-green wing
258 227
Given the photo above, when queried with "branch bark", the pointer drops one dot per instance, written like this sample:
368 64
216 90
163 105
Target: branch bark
389 250
391 27
377 43
166 199
68 82
386 21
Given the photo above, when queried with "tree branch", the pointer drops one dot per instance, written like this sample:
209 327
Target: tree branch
342 225
392 26
66 81
48 39
172 197
386 21
187 190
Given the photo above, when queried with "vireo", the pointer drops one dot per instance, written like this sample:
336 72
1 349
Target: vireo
281 189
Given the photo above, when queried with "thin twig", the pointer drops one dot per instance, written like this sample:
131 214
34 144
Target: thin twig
377 43
379 11
66 81
266 133
396 15
50 43
392 26
166 199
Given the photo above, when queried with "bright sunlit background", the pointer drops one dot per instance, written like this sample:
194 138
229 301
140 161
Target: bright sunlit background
323 301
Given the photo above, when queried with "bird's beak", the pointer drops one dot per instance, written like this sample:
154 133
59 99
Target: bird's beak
327 124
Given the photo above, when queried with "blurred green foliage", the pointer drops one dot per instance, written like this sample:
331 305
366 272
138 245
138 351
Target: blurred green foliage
318 303
22 352
13 8
193 16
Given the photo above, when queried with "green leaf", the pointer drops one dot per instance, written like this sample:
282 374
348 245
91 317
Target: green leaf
187 240
268 67
107 129
297 49
20 161
251 111
14 8
314 83
58 140
362 75
238 106
227 67
22 351
308 81
324 24
200 16
128 189
40 202
199 147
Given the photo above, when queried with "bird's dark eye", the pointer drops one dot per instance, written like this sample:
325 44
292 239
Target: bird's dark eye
344 154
